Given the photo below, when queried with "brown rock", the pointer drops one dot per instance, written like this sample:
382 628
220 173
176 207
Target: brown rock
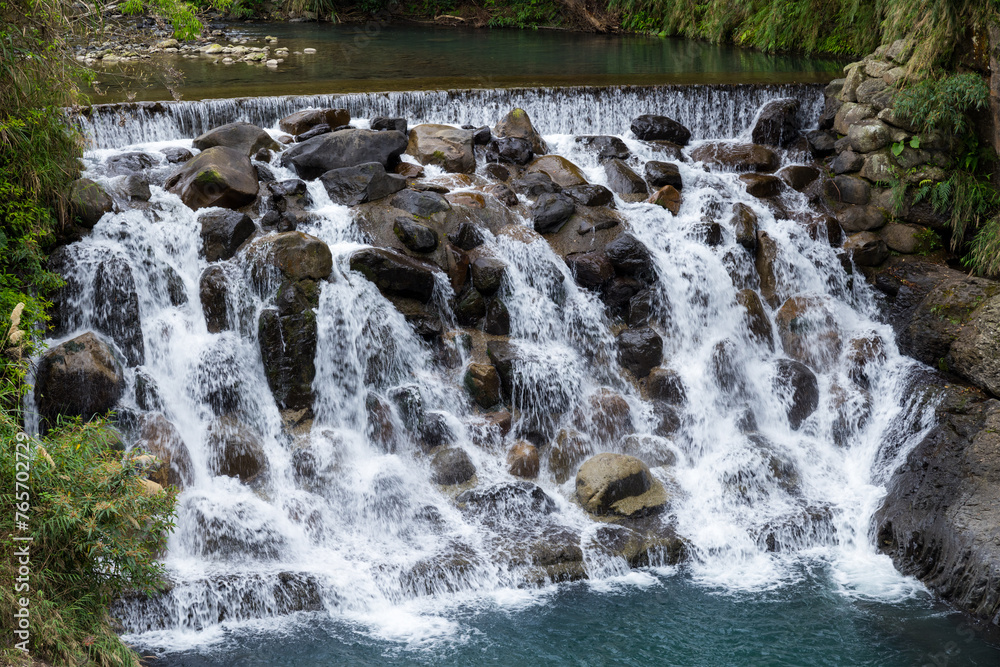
522 460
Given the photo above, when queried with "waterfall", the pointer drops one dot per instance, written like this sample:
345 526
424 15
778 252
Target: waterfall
345 520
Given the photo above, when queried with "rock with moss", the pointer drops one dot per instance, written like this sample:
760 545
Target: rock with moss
450 148
79 378
616 484
217 176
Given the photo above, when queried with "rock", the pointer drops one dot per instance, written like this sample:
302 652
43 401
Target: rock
511 150
744 223
467 237
381 123
550 211
820 143
590 195
860 218
124 164
483 383
868 135
607 417
116 308
344 148
488 274
853 190
535 184
664 384
448 147
622 179
808 331
303 121
607 147
851 114
866 249
758 324
618 484
503 355
497 172
649 127
409 170
243 137
351 186
288 350
798 384
973 355
511 501
737 157
765 258
798 177
659 174
135 188
420 204
590 269
667 197
497 318
939 519
450 466
79 378
213 289
848 161
879 168
470 307
560 171
88 202
907 239
415 236
868 91
640 350
630 256
217 176
777 124
522 460
176 154
314 131
395 274
762 185
160 438
296 255
235 450
516 124
223 232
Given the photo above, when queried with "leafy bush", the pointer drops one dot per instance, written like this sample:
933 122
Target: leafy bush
522 13
944 103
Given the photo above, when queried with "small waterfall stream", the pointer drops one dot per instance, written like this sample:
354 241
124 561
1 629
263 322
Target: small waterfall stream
347 522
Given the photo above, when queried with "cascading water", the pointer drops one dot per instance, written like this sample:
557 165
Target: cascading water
345 521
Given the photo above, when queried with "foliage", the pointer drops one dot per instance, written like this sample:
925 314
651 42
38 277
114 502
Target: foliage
96 534
944 103
818 26
522 13
181 14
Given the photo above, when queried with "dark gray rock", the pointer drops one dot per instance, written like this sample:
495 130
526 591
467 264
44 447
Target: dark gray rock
590 195
243 137
607 147
649 127
415 236
777 123
344 148
551 211
394 273
420 204
640 350
223 232
351 186
80 378
659 174
623 180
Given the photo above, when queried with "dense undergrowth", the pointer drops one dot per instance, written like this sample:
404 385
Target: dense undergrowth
94 529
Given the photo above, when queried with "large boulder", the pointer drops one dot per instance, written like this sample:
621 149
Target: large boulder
737 157
345 148
623 180
448 147
88 202
550 211
659 174
295 255
420 204
355 185
516 124
223 232
561 171
212 291
512 150
809 332
617 484
218 176
650 127
975 354
629 256
640 350
483 383
116 308
79 378
303 121
607 147
415 236
800 389
395 274
287 341
939 520
776 123
243 137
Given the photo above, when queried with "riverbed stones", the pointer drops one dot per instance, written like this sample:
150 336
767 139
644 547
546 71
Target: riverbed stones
450 148
640 350
517 125
866 249
303 121
218 176
590 269
116 308
79 378
344 148
630 257
651 127
394 273
777 123
212 291
560 171
415 236
243 137
512 150
550 211
590 195
798 177
659 174
382 123
488 274
89 202
362 183
737 157
745 224
223 232
623 180
616 484
420 204
762 185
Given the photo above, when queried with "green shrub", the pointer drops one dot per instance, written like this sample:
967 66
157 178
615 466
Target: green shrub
944 103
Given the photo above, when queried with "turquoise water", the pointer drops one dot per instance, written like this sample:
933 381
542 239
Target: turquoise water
644 619
375 57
